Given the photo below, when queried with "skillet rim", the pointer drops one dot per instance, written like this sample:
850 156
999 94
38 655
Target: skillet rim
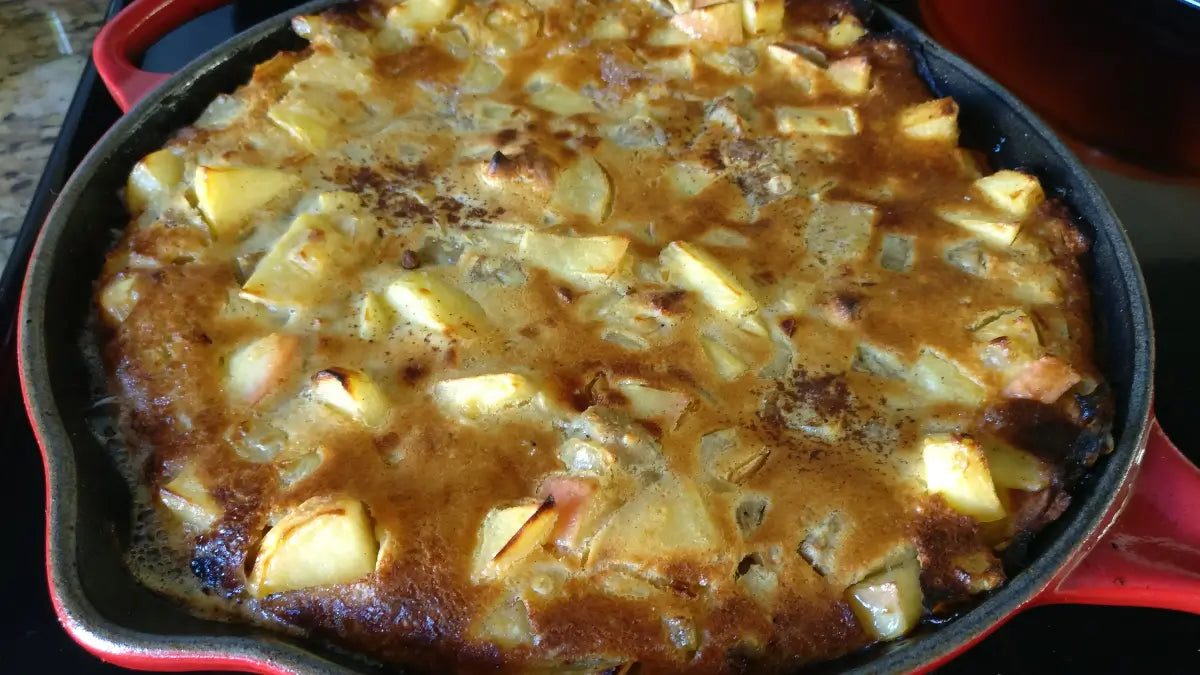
104 636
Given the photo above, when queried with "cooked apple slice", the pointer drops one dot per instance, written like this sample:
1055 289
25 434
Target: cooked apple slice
307 118
119 297
293 273
691 267
152 179
845 32
509 534
506 624
1015 325
957 469
481 395
665 522
419 15
822 121
353 393
229 196
760 17
1015 468
943 380
429 301
690 178
1013 191
572 497
375 317
994 230
186 497
322 542
559 99
332 68
583 189
931 121
262 367
727 364
889 604
658 405
852 74
803 64
583 259
583 456
727 458
1044 380
839 232
717 23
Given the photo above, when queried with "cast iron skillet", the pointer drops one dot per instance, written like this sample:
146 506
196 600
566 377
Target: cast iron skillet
1150 557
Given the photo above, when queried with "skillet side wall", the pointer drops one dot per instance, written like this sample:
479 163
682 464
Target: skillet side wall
90 505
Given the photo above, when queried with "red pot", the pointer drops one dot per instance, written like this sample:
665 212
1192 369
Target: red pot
1131 537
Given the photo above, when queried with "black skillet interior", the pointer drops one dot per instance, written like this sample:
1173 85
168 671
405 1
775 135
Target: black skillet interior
91 506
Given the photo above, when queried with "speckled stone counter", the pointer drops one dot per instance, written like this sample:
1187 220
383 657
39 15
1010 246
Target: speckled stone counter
43 48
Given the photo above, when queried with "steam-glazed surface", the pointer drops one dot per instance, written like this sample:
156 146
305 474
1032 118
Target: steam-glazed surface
560 334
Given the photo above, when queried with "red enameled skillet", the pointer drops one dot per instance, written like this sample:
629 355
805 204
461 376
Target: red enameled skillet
1130 537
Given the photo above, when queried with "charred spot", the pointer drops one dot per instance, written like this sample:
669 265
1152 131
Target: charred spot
842 308
763 277
502 166
340 374
1050 433
746 563
564 294
409 259
386 441
788 326
654 428
667 301
712 159
943 537
506 136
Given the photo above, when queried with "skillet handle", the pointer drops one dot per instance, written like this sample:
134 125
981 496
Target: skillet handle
1150 555
131 32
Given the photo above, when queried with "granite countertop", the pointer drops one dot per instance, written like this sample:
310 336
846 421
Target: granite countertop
43 50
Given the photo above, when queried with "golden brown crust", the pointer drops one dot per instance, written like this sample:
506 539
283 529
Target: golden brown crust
780 302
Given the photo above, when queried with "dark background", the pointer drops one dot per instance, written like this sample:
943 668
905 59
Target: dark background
1044 640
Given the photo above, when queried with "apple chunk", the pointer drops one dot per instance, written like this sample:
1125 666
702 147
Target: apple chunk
762 16
322 542
420 14
572 496
431 302
957 469
1044 380
186 497
229 196
484 394
697 270
152 178
584 259
888 604
1015 468
717 23
119 297
583 189
261 367
509 534
1015 192
664 523
931 121
658 405
353 393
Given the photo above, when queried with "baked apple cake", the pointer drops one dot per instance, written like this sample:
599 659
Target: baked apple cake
594 336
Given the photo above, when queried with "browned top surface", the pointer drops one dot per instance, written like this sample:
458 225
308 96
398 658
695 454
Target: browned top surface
414 149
